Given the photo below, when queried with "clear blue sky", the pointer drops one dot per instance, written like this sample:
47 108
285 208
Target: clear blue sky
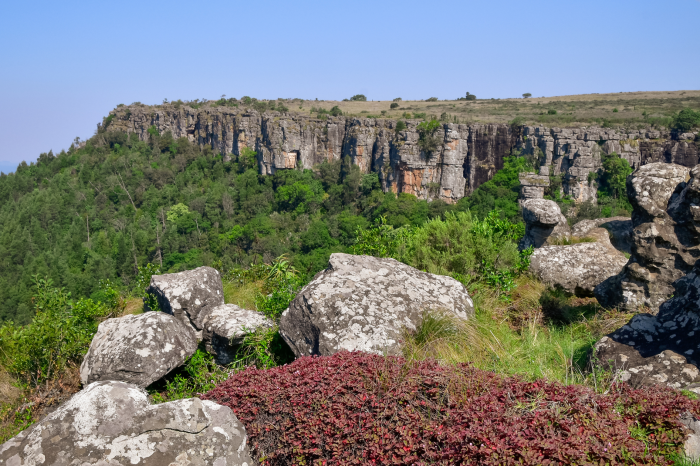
66 64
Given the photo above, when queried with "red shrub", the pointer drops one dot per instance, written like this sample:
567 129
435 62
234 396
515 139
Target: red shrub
355 408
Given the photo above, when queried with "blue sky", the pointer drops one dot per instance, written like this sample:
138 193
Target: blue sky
66 64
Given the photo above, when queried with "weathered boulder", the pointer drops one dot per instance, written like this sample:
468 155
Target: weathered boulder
362 303
620 229
226 325
578 268
189 295
532 186
664 237
661 349
692 443
137 349
544 223
113 423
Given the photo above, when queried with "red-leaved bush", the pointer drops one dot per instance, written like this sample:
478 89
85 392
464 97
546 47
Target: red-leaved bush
356 408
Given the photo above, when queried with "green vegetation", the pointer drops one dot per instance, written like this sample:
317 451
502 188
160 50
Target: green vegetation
358 98
428 139
685 120
394 105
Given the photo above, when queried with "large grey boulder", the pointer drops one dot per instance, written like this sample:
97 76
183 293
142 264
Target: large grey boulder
544 223
532 186
620 229
225 327
578 268
662 349
189 295
112 423
664 237
137 349
363 303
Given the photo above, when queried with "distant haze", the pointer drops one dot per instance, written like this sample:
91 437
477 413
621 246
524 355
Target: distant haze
68 64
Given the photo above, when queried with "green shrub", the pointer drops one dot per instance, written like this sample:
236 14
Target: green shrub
59 335
336 111
551 111
432 99
398 99
400 126
464 245
358 98
685 120
381 240
527 95
394 105
428 140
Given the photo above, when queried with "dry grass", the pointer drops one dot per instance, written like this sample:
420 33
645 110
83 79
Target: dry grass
242 295
132 306
572 110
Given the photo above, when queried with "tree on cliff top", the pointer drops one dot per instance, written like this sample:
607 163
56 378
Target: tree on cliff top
358 98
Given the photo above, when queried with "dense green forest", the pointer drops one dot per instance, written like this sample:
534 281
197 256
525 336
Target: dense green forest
100 211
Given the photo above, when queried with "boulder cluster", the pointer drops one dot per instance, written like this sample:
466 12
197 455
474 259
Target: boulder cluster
359 303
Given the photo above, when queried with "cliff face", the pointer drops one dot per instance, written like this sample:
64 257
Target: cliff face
468 156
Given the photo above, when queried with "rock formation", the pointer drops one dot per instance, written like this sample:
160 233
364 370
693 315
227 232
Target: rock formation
188 295
137 349
362 303
661 349
468 156
544 223
532 186
578 268
620 229
225 326
113 423
665 239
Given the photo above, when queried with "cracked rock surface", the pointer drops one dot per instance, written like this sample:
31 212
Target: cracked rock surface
662 349
226 325
189 295
665 236
362 303
620 229
138 349
112 423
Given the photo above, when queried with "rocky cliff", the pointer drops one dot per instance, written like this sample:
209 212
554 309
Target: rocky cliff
468 156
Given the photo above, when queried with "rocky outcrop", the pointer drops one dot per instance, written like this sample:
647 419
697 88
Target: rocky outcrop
662 349
225 327
532 186
113 423
619 228
665 239
544 223
188 295
578 268
468 155
363 303
137 349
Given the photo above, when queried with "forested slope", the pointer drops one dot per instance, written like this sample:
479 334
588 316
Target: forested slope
98 212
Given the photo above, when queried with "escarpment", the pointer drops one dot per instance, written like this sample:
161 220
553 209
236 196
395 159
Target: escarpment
466 157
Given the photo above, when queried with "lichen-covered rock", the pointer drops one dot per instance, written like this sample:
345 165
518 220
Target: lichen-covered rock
620 229
532 186
664 237
189 295
544 223
362 303
578 268
225 327
692 443
137 349
661 349
112 423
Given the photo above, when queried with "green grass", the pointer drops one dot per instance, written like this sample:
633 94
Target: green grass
538 334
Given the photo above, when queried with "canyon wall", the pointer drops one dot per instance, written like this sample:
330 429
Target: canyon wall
468 155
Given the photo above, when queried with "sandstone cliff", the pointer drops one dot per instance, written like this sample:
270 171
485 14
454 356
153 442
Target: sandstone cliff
468 156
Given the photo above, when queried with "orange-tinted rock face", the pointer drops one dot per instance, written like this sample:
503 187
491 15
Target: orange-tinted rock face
468 156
